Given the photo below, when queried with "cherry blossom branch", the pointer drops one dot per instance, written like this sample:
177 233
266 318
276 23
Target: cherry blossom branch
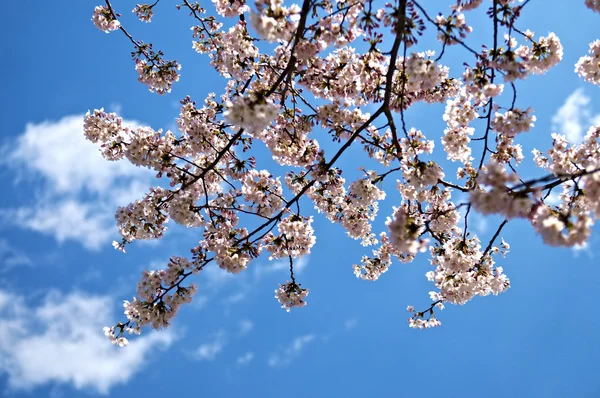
317 79
489 246
306 4
139 46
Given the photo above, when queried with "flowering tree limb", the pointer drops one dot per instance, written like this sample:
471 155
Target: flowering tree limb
296 73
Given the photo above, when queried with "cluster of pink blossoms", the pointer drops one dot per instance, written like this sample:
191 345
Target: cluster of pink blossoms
406 226
160 296
518 62
588 66
230 8
452 27
158 77
143 12
114 336
104 19
593 5
291 295
250 114
263 192
295 239
274 21
296 73
466 5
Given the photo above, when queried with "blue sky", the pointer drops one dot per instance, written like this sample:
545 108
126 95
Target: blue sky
61 280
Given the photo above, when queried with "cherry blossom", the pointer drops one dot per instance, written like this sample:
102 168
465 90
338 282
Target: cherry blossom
144 12
314 84
252 114
105 20
291 295
588 66
159 78
593 5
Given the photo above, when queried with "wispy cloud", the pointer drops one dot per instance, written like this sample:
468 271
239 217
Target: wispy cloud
67 220
245 359
199 302
236 298
10 257
288 354
246 326
217 276
479 222
281 265
351 323
574 117
69 328
208 351
77 190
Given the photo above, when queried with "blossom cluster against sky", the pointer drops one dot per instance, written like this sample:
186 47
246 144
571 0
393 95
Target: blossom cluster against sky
61 281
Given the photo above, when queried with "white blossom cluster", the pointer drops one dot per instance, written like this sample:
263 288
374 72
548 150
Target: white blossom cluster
365 192
518 62
291 295
108 130
451 27
295 239
114 337
588 66
466 5
250 114
104 19
143 12
593 5
405 230
230 8
143 219
221 239
160 295
274 21
263 192
494 197
459 113
462 271
158 78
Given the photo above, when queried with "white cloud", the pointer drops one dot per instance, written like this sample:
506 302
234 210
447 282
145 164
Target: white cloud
280 265
246 326
78 190
288 354
67 220
59 152
199 302
217 276
236 298
209 351
61 341
244 359
9 257
585 248
351 323
479 222
574 117
115 107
